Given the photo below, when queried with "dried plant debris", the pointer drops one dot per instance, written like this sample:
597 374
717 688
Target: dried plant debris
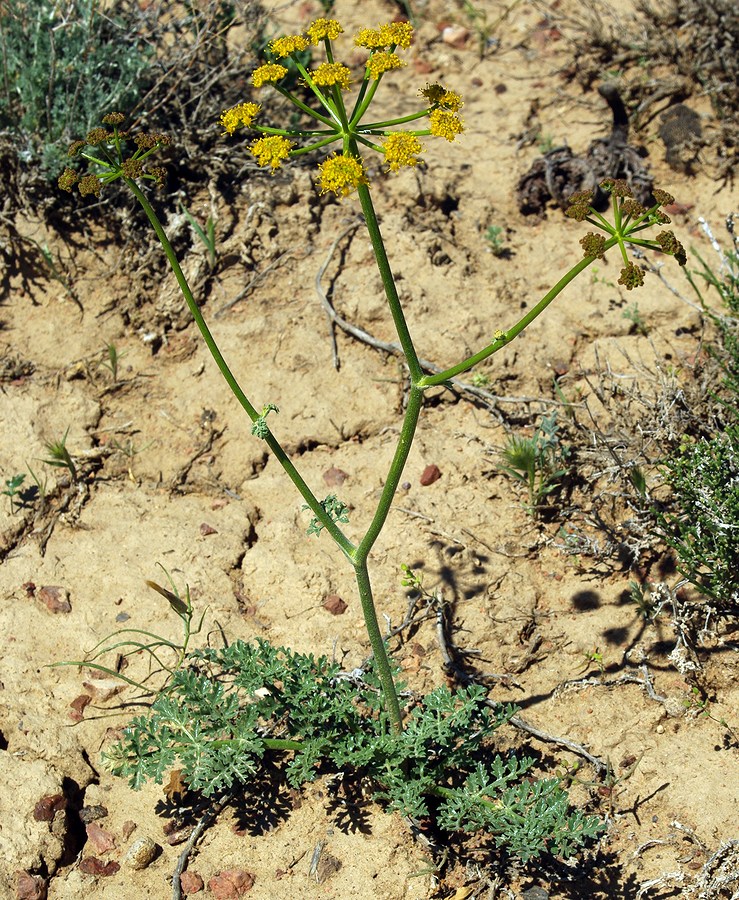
664 54
682 134
559 173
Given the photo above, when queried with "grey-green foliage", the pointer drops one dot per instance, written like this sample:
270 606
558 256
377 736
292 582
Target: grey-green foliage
63 63
703 527
704 531
222 716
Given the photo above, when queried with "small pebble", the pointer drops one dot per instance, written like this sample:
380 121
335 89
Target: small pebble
430 474
334 604
141 853
191 883
91 813
660 729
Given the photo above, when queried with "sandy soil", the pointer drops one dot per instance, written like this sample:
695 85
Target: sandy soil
195 494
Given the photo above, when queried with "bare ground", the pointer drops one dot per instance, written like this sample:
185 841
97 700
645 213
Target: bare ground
170 476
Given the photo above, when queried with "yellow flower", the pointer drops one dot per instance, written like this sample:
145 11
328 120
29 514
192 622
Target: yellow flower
324 29
452 101
271 150
341 174
331 73
445 124
291 43
243 114
394 34
269 72
382 62
370 39
439 96
398 34
402 149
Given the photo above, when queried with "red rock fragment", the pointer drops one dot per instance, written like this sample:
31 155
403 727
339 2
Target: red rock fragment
206 529
48 806
334 477
191 883
91 865
80 703
430 474
29 887
55 598
334 604
102 840
231 884
127 829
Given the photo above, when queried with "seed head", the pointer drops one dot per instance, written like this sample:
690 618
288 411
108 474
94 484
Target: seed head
619 187
341 174
145 140
159 174
633 208
593 245
89 184
401 149
579 205
662 197
97 136
671 245
113 118
445 124
324 29
132 168
68 179
75 147
271 150
631 276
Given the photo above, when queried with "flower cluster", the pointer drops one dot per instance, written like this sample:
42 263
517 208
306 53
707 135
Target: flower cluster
629 219
106 149
333 120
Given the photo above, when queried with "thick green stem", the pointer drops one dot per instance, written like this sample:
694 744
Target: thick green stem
274 445
507 336
382 661
407 431
388 281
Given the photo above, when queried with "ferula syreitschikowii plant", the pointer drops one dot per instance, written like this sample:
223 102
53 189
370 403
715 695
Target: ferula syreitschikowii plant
224 712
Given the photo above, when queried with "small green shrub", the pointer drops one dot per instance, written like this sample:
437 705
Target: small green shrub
231 710
62 63
705 531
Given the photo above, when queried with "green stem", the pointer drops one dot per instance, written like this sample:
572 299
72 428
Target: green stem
388 281
508 336
382 661
274 445
391 122
407 431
